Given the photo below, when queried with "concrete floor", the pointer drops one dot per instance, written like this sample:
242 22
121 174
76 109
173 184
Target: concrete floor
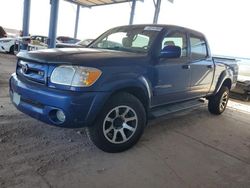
188 149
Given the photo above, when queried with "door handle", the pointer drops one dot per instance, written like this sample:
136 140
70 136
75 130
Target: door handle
210 66
186 66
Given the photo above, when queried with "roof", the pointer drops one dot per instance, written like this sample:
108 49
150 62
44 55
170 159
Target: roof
166 26
91 3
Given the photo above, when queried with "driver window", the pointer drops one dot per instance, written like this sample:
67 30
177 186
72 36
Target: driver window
176 39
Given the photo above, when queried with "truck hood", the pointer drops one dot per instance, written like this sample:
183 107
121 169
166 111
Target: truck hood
80 56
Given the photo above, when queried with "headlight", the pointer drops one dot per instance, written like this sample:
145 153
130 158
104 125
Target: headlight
75 76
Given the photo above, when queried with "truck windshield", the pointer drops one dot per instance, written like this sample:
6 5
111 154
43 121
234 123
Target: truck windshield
130 39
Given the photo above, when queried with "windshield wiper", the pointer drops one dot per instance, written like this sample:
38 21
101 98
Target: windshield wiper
119 48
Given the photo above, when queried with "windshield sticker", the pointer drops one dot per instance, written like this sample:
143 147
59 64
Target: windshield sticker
151 28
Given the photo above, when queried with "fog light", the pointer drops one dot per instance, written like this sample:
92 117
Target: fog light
60 116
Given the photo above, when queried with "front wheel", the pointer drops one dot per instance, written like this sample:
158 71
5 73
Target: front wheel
12 50
218 103
120 124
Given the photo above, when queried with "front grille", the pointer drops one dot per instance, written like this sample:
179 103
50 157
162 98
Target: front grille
32 71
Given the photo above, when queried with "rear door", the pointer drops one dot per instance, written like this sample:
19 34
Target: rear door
172 75
201 66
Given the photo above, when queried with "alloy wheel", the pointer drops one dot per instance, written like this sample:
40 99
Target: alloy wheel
120 124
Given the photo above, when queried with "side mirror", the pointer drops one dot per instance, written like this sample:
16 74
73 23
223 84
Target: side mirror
170 52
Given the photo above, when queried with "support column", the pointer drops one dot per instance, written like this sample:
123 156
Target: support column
77 20
26 21
132 13
53 23
157 11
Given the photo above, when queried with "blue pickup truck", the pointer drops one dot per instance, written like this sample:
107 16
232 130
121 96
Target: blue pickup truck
126 76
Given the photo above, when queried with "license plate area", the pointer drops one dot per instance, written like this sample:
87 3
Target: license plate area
16 98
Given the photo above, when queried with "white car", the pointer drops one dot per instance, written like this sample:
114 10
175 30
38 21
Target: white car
7 45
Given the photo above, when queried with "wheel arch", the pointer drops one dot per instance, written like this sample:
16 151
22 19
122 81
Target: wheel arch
138 92
225 79
139 87
228 83
134 87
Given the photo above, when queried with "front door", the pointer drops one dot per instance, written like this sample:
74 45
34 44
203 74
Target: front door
172 75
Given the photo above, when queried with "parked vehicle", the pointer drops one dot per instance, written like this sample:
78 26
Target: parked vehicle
152 71
38 42
85 43
68 40
243 82
20 41
80 44
7 45
67 45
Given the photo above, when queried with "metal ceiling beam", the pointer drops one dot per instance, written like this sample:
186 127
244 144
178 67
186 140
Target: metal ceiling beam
132 13
53 23
157 4
77 20
157 11
26 21
103 4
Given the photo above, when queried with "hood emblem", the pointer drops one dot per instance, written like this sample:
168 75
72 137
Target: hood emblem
25 68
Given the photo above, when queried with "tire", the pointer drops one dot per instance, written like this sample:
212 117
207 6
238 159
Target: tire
12 50
218 103
120 124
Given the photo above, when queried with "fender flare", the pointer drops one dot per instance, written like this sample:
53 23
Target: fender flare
226 74
118 85
127 80
139 82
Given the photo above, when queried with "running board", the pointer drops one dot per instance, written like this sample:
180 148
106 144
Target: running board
172 108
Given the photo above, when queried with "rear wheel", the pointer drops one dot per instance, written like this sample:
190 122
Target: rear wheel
120 124
218 103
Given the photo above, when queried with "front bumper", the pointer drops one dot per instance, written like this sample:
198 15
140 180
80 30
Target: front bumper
5 47
40 102
2 49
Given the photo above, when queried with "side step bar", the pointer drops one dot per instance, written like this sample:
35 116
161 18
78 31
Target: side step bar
172 108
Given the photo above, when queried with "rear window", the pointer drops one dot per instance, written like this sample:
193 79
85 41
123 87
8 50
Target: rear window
198 47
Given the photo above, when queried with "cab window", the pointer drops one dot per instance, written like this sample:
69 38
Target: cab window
198 48
176 39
